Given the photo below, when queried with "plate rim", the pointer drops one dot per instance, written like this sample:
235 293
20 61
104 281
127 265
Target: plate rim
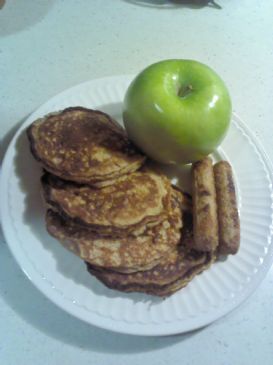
111 323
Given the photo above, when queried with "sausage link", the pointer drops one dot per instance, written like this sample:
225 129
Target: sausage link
228 217
205 222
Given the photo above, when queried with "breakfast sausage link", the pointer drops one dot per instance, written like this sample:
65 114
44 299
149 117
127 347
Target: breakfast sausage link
228 218
205 223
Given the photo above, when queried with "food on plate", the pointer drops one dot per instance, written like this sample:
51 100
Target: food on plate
128 205
83 145
112 207
173 272
177 111
205 220
228 217
123 254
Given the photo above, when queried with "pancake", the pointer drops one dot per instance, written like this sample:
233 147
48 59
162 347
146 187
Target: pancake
125 254
130 205
173 272
162 280
83 145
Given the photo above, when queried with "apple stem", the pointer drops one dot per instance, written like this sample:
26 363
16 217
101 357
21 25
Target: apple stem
184 91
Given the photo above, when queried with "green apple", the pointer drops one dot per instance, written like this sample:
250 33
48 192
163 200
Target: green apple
177 111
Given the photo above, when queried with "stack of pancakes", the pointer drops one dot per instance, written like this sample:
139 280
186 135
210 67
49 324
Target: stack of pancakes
109 207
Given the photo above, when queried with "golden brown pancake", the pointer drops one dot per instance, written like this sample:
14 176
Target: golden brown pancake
162 280
83 145
129 205
173 272
124 254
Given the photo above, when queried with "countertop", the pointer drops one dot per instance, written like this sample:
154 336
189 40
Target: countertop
48 46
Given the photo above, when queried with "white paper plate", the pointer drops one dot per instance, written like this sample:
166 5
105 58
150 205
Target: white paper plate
62 277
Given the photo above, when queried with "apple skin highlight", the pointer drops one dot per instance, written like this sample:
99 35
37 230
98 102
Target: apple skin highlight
177 111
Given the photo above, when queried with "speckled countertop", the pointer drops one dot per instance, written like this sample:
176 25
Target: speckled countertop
48 46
